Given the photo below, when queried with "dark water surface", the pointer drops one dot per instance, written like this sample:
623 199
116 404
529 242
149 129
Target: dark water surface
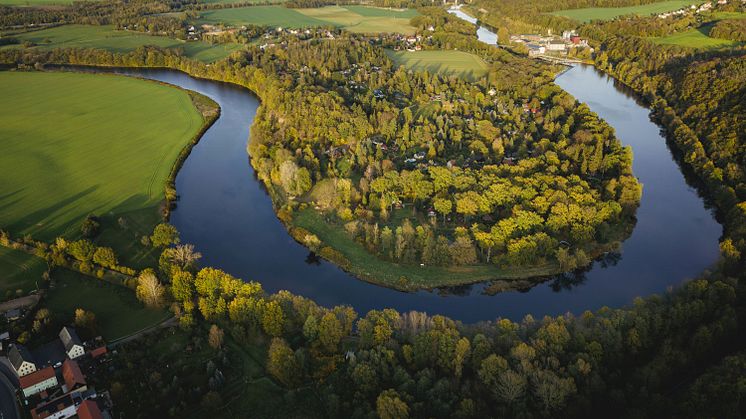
228 216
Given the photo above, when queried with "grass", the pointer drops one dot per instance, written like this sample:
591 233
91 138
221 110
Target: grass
118 313
606 13
107 38
729 15
260 15
19 271
243 1
34 2
407 277
77 144
694 38
452 63
352 18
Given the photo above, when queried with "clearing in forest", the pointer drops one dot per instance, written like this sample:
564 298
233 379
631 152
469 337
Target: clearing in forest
607 13
452 63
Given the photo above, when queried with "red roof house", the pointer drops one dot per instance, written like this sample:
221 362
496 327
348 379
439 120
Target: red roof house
38 381
72 374
89 410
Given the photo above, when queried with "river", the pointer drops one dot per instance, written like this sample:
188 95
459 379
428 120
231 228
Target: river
224 210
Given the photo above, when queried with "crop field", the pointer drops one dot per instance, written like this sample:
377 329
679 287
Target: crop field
694 38
19 271
606 13
352 18
78 144
107 38
452 63
118 313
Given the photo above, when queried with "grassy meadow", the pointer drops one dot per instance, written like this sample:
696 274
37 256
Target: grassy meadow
694 38
118 313
452 63
606 13
19 271
34 2
107 38
77 144
352 18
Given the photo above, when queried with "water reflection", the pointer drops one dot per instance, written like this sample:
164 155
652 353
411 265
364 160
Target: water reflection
227 214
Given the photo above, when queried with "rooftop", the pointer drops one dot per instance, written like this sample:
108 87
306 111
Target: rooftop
72 374
36 377
17 354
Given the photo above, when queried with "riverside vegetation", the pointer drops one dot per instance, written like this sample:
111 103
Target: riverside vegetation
638 361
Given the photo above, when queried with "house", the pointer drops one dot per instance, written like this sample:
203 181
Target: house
556 46
21 360
97 352
73 376
534 49
89 410
72 343
60 408
13 314
38 381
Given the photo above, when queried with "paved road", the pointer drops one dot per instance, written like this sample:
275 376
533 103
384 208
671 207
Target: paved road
8 406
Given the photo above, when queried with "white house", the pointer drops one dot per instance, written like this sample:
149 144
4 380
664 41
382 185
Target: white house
21 360
38 381
72 343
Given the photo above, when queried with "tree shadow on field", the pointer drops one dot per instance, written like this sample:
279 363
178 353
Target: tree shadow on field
5 206
46 215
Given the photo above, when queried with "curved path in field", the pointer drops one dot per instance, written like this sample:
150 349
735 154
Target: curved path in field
226 213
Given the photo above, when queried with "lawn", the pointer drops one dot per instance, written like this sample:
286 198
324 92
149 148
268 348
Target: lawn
19 271
118 313
352 18
106 37
260 15
452 63
606 13
370 268
77 144
694 38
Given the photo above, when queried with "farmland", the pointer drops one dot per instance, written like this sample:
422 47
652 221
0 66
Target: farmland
118 313
352 18
456 63
79 144
107 38
18 271
606 13
694 38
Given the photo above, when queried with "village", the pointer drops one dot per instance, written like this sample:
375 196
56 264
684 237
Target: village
50 380
540 44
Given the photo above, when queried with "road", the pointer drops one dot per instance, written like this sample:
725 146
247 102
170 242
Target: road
8 405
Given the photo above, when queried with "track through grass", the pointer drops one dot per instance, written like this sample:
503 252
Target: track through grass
77 144
107 38
607 13
452 63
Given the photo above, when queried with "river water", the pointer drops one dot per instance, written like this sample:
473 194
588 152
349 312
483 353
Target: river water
225 212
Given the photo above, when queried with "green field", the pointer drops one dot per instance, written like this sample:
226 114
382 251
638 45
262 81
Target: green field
118 313
729 15
352 18
105 37
77 144
694 38
606 13
19 271
456 63
34 2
